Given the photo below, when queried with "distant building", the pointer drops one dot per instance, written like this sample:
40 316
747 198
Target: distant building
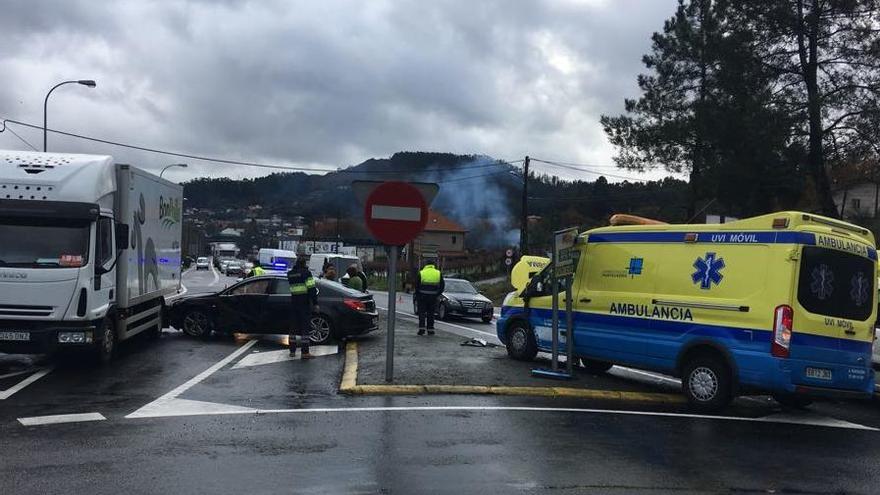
230 232
441 236
856 190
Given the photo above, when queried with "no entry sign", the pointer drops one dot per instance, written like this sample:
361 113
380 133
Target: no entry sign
395 213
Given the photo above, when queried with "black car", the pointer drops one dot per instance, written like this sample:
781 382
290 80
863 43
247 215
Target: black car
461 298
262 305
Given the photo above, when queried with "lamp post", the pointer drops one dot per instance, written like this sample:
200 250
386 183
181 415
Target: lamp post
183 165
84 82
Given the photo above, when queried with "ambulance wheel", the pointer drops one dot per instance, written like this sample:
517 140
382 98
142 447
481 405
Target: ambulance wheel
595 367
707 383
521 343
791 401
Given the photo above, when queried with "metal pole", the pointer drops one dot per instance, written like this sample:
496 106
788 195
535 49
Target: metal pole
554 327
569 329
524 218
392 314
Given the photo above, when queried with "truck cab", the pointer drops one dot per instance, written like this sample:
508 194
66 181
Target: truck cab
81 266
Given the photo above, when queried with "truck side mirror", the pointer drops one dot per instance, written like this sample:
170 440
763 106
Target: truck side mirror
122 234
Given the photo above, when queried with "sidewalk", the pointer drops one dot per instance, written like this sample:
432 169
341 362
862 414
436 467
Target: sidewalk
440 364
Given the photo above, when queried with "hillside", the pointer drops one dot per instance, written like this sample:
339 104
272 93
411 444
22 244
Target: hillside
479 192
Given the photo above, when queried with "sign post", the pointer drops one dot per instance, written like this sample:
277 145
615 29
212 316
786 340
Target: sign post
563 267
395 213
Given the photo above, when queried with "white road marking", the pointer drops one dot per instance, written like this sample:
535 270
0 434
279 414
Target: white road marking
61 418
172 395
779 418
5 394
438 322
269 357
655 376
405 213
16 373
214 272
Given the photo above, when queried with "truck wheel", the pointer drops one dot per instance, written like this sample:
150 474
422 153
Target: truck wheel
792 401
107 346
197 324
321 329
707 384
521 343
595 367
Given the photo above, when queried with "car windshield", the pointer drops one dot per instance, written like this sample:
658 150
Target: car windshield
460 286
44 243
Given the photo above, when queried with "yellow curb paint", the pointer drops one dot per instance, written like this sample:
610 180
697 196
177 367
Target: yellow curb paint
350 371
349 386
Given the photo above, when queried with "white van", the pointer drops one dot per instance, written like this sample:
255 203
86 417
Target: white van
339 261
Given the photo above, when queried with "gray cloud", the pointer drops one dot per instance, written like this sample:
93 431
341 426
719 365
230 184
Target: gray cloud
327 83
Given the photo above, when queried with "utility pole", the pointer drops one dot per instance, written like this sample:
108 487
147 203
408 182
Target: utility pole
524 221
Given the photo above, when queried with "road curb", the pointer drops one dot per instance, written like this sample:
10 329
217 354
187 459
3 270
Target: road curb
349 386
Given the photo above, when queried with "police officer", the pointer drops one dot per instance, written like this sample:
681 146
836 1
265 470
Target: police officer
303 300
257 270
429 286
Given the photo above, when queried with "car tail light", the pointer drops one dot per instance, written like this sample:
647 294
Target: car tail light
355 304
782 323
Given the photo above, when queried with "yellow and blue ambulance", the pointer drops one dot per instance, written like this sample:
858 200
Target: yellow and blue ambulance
782 303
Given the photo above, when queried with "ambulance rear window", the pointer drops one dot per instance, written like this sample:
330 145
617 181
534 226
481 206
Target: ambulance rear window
835 283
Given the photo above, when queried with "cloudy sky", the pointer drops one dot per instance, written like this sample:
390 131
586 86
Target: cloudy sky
325 83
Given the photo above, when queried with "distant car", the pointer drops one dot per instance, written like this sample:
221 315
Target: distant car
261 305
233 268
203 264
461 298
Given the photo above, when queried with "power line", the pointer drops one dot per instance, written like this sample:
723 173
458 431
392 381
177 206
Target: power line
243 163
23 140
580 169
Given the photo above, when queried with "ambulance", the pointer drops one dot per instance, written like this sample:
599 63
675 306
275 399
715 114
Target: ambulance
782 304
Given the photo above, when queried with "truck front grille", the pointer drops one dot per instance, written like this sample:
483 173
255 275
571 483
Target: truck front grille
20 310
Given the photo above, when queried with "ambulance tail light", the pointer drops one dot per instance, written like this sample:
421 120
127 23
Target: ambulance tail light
782 323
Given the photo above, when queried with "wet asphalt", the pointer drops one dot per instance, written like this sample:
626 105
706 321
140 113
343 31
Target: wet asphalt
271 425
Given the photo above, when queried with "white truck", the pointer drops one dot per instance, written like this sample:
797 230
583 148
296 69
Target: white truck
89 249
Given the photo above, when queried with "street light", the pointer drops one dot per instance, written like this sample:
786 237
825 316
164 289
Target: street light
84 82
183 165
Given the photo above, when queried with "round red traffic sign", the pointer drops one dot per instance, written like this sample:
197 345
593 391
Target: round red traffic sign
395 213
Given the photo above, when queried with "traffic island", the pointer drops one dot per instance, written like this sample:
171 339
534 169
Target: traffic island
440 364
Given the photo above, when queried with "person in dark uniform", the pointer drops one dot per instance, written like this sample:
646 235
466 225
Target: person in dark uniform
429 286
303 300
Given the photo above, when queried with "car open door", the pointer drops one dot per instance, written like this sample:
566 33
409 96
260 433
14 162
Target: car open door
243 306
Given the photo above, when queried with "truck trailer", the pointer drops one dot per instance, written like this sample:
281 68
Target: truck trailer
89 249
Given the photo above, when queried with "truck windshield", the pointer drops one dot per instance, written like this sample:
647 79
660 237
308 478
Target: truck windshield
38 243
835 283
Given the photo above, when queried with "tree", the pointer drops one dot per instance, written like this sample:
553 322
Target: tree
666 125
825 56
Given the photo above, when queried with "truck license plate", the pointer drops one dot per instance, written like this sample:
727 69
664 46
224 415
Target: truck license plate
19 336
819 373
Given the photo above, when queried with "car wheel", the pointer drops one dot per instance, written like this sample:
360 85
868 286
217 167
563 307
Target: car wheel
596 367
487 319
197 324
321 329
442 312
521 343
706 382
107 347
792 401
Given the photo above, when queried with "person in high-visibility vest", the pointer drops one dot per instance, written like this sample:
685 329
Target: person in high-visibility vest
429 286
303 301
257 271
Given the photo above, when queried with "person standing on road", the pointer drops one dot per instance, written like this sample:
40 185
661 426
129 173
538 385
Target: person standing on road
354 279
303 300
257 270
429 286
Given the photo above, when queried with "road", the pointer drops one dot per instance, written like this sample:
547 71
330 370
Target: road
180 415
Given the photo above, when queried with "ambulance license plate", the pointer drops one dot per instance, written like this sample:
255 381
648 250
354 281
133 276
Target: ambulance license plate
819 373
17 336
